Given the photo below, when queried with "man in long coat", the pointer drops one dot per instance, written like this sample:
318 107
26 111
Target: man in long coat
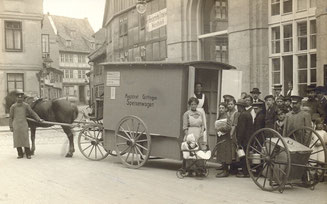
297 119
243 133
18 125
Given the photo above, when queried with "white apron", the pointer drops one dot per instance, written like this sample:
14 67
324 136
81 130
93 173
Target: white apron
201 110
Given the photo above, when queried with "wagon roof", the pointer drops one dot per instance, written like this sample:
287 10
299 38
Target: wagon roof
196 64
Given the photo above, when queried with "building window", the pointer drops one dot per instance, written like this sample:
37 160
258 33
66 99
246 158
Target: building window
79 74
13 36
68 43
313 34
142 22
288 40
275 40
301 5
45 44
81 59
313 68
275 70
312 3
302 35
287 6
123 26
221 9
275 7
71 73
70 58
302 73
15 81
83 74
62 58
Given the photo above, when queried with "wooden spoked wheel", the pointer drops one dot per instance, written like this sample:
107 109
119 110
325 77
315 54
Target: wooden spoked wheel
315 168
268 160
90 142
133 142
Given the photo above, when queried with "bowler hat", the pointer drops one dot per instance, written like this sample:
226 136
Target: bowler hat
311 87
296 99
278 86
255 90
241 102
269 96
287 98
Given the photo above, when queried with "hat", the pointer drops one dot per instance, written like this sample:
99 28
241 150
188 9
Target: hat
287 98
19 93
278 86
320 89
311 87
228 97
280 98
241 102
269 96
255 90
296 99
258 104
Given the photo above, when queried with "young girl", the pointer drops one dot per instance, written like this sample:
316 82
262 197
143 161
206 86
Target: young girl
320 156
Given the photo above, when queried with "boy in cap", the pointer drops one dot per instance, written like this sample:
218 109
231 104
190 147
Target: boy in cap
18 125
312 101
259 120
287 103
296 118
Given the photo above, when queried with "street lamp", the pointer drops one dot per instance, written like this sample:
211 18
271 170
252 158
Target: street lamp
141 6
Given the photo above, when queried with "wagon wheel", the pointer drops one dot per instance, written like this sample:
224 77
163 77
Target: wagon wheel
268 160
133 140
90 142
315 168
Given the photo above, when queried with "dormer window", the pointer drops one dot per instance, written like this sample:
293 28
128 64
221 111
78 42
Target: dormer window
68 43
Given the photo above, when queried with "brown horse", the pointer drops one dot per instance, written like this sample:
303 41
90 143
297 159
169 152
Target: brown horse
57 110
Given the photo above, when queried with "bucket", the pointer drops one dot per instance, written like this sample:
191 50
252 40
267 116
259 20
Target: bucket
240 152
256 158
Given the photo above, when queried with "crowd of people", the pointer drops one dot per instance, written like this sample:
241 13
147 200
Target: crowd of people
239 119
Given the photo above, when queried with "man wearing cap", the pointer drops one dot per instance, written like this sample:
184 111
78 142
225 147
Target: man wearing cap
322 103
18 125
287 103
277 90
296 118
271 112
249 101
227 98
243 133
312 102
255 95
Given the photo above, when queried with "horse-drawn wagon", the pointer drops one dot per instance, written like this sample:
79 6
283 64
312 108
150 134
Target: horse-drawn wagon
143 106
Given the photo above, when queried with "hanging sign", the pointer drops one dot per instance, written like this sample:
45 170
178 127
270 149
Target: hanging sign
156 20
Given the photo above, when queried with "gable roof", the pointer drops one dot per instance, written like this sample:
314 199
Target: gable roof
78 31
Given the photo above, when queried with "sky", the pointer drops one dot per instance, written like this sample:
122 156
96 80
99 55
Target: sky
91 9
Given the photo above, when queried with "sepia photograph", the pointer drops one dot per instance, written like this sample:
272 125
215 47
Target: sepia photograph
163 101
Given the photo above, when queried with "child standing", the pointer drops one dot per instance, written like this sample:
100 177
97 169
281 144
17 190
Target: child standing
279 124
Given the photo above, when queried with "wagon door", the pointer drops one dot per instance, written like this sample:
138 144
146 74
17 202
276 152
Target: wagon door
209 79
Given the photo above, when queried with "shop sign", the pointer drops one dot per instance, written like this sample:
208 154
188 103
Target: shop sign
156 20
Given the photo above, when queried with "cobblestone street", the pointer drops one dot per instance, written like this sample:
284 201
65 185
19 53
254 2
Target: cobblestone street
49 177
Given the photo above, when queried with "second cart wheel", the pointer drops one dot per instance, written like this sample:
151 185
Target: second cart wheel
268 159
133 141
90 142
315 168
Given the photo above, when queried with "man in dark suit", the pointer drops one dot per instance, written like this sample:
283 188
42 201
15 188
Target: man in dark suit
243 133
290 89
322 103
255 95
312 102
259 120
271 112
